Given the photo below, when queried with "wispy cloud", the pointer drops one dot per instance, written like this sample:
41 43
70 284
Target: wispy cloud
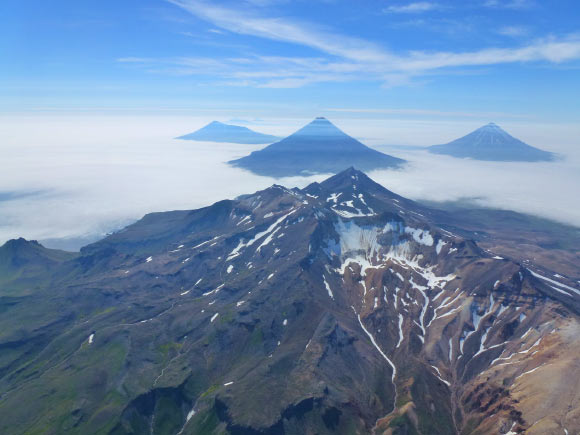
289 72
429 113
342 58
514 31
444 25
412 8
509 4
278 29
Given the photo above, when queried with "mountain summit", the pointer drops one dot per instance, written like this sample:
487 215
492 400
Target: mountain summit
22 260
338 308
491 142
217 131
318 147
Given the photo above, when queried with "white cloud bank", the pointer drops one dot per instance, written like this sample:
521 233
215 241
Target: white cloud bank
92 174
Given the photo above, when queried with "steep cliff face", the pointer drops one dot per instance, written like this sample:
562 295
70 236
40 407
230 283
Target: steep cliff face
339 308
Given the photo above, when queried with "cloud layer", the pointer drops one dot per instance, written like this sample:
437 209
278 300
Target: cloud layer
81 176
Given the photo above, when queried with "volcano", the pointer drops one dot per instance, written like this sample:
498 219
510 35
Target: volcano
492 143
217 131
317 148
338 308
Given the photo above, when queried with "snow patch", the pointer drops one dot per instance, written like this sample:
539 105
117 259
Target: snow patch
328 288
333 197
557 283
422 237
377 346
439 376
439 246
401 336
236 251
450 349
215 290
206 242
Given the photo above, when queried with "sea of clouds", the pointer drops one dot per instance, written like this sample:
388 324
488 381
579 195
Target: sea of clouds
68 179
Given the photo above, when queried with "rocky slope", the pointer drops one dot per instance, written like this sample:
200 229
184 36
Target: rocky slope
339 308
23 263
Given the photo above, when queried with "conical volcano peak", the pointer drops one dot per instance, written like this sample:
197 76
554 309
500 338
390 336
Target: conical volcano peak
352 174
317 148
321 128
491 142
353 179
491 133
217 131
348 177
491 127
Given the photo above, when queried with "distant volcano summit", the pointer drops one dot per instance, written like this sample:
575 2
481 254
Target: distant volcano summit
492 143
318 147
217 131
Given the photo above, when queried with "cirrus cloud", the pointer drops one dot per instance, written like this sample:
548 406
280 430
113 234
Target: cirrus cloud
341 58
412 8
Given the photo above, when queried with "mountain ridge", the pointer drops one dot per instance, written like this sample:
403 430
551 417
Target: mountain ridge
337 307
23 261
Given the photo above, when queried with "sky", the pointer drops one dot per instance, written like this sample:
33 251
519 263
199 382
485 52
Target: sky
500 59
93 93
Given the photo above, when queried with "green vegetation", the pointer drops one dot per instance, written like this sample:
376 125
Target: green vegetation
168 416
205 422
167 348
403 425
257 337
209 391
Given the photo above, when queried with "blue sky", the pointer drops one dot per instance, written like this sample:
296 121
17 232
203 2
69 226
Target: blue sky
494 59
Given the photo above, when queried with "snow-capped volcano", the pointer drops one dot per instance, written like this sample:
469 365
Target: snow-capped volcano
491 142
318 147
